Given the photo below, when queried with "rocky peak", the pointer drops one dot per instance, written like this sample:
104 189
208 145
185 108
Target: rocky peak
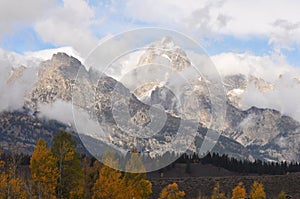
165 51
65 59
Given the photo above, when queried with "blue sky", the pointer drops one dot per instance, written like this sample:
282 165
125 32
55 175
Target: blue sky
219 26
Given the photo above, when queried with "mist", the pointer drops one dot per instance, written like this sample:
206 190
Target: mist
13 90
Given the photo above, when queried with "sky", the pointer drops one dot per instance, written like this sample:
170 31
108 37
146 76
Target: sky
256 27
250 37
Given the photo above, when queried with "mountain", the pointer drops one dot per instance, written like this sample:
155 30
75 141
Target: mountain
264 132
252 133
56 81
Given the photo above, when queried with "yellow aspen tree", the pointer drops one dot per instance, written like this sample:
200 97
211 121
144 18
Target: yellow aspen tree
109 184
135 181
171 191
239 191
11 186
257 191
44 173
282 195
3 185
16 189
70 174
217 194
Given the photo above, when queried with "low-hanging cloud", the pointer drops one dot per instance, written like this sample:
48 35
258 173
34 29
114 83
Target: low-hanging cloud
66 113
13 91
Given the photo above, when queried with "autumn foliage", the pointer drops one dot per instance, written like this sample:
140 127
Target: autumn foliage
257 191
59 171
171 192
44 173
239 191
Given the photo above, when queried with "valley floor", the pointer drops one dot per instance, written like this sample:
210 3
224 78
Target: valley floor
203 186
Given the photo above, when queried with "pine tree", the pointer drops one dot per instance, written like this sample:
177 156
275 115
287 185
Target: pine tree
44 173
257 191
109 184
70 175
239 191
171 191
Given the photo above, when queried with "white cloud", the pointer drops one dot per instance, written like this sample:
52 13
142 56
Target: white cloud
65 112
231 17
268 67
16 13
59 110
284 96
12 92
69 25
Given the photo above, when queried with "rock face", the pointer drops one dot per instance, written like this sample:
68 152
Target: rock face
252 133
56 77
264 132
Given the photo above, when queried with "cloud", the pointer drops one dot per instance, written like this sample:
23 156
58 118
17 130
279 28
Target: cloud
13 91
192 15
59 110
284 97
286 35
241 19
69 25
268 67
65 112
285 79
14 14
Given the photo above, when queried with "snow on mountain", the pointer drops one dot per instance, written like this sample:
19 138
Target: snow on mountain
34 58
48 53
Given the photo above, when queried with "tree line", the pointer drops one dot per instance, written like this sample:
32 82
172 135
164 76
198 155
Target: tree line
241 166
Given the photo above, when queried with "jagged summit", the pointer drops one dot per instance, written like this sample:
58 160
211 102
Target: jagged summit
165 51
62 58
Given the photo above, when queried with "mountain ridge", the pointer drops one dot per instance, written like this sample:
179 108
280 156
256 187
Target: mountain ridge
57 80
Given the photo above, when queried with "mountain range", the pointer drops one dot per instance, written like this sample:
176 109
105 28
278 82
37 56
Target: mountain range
252 133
